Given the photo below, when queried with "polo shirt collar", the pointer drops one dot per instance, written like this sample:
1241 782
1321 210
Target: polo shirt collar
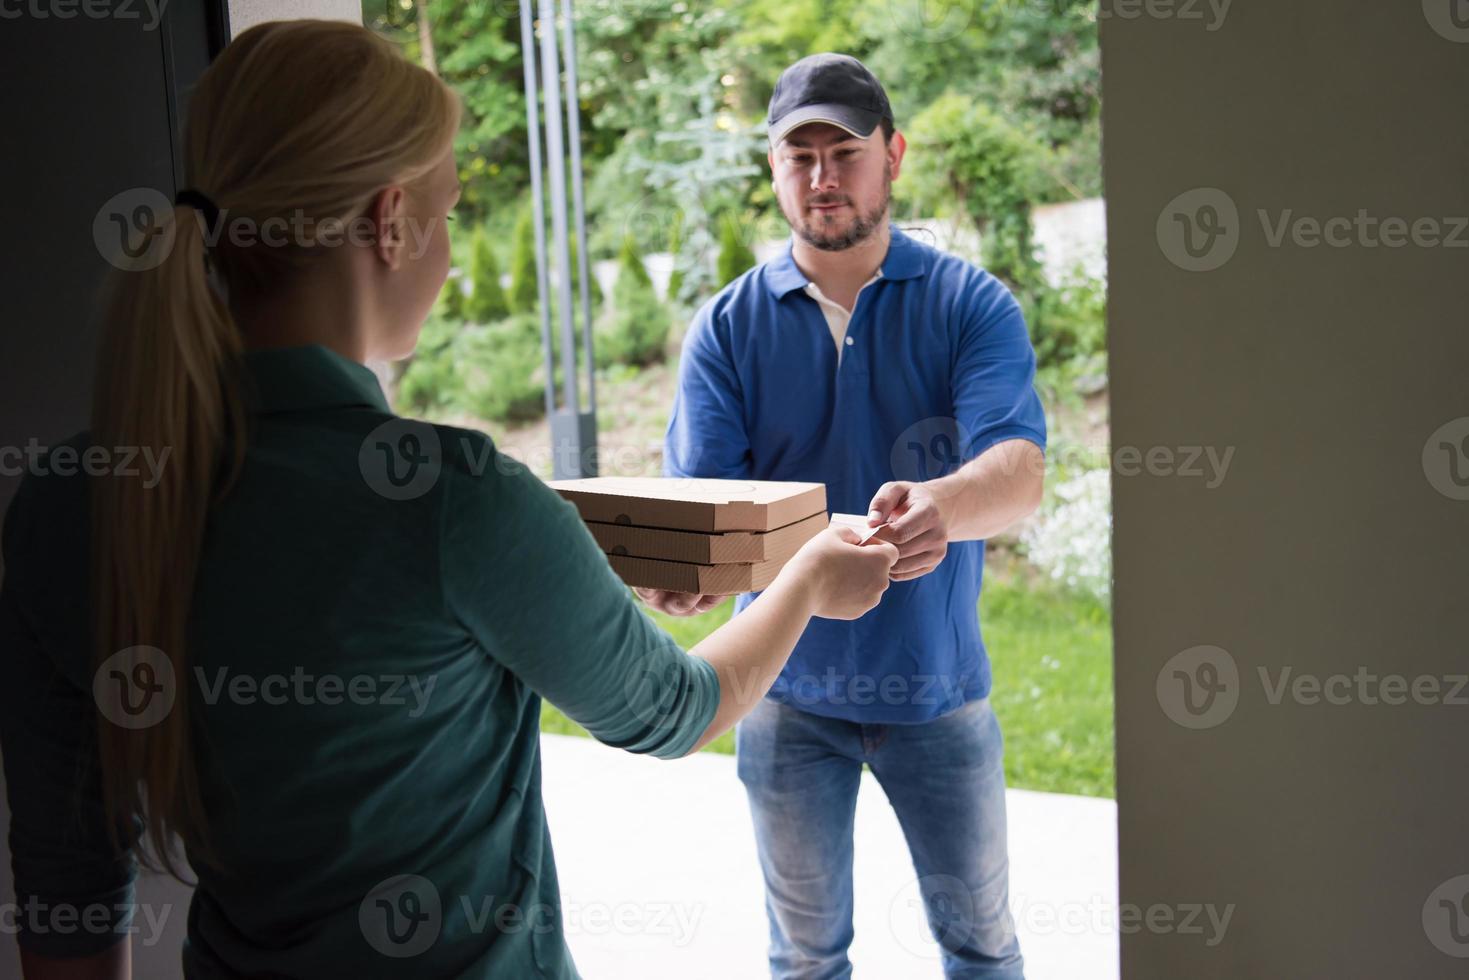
903 261
292 379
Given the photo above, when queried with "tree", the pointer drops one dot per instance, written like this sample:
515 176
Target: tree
524 291
638 331
675 247
734 255
993 169
487 303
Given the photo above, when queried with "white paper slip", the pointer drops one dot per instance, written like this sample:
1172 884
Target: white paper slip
858 523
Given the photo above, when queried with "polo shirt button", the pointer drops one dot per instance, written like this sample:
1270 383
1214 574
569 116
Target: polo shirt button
850 341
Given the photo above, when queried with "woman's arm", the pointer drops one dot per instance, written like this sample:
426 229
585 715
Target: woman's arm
73 884
526 578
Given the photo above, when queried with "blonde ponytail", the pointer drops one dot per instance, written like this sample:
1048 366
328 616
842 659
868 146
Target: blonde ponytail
294 117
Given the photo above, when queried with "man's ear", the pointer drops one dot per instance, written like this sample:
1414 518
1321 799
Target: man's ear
897 146
387 214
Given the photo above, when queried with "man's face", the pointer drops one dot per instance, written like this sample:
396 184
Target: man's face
832 186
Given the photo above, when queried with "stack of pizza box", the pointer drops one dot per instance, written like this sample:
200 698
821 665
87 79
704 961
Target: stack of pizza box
710 537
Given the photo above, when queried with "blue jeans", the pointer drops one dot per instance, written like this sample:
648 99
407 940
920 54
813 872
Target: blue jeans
946 780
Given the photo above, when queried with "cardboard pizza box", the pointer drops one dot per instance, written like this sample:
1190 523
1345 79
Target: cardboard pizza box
682 576
724 548
693 504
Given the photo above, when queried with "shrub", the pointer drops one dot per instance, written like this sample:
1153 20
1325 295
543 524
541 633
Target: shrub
523 289
734 255
492 370
637 333
499 364
487 301
1072 540
675 246
452 300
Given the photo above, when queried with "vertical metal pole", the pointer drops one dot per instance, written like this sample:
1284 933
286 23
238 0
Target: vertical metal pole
573 110
556 176
533 133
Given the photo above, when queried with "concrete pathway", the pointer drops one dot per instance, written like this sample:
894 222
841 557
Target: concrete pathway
659 877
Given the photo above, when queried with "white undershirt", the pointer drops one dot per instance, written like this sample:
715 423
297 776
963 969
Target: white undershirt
838 316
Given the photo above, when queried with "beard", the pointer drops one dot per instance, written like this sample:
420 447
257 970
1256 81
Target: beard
816 234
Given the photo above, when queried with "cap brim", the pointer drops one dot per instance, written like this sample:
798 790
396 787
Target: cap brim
858 122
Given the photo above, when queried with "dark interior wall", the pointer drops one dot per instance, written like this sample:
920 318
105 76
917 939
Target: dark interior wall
1330 819
90 105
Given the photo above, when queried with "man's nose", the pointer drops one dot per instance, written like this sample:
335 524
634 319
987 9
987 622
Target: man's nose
823 177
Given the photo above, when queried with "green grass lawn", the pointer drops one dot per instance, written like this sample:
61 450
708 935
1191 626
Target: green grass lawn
1052 660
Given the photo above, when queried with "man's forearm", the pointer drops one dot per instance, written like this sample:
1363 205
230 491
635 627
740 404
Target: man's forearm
992 491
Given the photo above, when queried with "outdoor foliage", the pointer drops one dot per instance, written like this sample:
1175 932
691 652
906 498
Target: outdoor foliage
637 334
1071 542
487 301
492 371
523 290
735 256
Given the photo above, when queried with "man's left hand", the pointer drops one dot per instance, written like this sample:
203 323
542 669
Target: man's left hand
915 524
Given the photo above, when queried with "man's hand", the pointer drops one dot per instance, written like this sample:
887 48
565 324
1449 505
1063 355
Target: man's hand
679 603
916 524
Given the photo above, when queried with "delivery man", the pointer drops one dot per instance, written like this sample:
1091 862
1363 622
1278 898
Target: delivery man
902 378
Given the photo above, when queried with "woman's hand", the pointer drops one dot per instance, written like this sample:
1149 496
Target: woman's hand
846 578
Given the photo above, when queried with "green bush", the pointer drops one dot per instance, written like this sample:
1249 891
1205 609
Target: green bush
734 255
487 302
1067 321
637 331
523 290
500 367
452 300
993 169
429 385
675 245
492 371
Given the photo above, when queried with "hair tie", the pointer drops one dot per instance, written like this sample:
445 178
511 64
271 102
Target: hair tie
201 203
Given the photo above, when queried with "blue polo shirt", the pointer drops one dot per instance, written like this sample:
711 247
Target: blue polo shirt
937 367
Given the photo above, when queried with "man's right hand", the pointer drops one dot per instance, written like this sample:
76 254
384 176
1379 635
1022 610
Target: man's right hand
679 603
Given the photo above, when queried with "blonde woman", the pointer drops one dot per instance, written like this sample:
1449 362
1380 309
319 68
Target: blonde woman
312 647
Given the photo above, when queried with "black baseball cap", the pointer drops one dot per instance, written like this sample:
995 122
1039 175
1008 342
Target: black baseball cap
829 88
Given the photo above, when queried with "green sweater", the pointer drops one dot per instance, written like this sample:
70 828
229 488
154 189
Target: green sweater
381 603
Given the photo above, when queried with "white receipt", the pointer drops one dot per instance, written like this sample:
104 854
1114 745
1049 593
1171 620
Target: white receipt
857 523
